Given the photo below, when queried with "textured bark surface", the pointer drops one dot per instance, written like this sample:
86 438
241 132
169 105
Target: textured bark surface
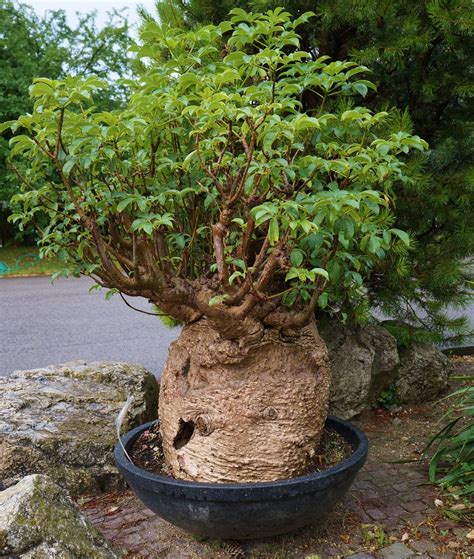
243 410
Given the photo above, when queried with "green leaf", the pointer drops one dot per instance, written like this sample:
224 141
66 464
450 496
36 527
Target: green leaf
306 225
296 257
20 144
402 235
188 159
321 272
67 167
235 275
148 228
374 244
6 125
110 293
273 231
293 273
361 88
40 88
323 300
123 204
239 263
217 299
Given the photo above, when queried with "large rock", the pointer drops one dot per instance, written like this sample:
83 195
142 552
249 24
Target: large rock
365 361
60 421
422 374
362 362
385 358
38 520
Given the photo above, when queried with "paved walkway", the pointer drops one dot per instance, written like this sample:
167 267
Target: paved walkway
389 514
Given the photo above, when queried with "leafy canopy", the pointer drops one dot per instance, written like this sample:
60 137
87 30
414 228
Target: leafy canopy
214 193
420 53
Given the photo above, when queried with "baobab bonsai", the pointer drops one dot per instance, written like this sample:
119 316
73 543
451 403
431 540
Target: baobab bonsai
216 196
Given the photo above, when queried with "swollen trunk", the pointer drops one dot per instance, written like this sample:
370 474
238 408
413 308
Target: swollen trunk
243 410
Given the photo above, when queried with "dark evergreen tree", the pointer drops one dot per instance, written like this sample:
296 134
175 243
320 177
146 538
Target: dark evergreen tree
420 54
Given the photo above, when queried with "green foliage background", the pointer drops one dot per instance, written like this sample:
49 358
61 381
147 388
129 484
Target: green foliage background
421 56
33 46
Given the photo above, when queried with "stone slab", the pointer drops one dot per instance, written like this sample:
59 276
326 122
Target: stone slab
60 421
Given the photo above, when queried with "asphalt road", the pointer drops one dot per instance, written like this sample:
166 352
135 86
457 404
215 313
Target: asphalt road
43 323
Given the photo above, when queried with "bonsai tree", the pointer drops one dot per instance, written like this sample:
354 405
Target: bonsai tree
218 198
420 57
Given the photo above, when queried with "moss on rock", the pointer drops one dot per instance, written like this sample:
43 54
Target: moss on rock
38 519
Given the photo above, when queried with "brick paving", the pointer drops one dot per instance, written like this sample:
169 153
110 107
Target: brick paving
389 513
379 511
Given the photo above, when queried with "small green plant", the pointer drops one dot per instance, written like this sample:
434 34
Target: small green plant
388 398
451 450
374 535
165 319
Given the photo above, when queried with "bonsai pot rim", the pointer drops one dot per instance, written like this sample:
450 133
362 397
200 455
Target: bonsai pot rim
270 490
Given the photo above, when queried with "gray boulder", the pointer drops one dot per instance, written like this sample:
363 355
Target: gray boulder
38 520
423 373
385 357
362 360
59 421
365 361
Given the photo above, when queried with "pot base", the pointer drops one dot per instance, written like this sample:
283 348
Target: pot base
245 510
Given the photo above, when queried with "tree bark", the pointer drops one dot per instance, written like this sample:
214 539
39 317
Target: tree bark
244 410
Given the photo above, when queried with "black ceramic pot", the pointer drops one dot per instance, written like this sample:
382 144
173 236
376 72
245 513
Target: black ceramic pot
245 510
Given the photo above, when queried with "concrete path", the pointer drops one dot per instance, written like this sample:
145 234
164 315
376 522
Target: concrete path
43 323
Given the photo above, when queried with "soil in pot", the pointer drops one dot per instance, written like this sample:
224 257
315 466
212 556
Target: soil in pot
246 510
147 452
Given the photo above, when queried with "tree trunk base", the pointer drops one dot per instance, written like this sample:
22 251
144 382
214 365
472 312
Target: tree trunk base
244 410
